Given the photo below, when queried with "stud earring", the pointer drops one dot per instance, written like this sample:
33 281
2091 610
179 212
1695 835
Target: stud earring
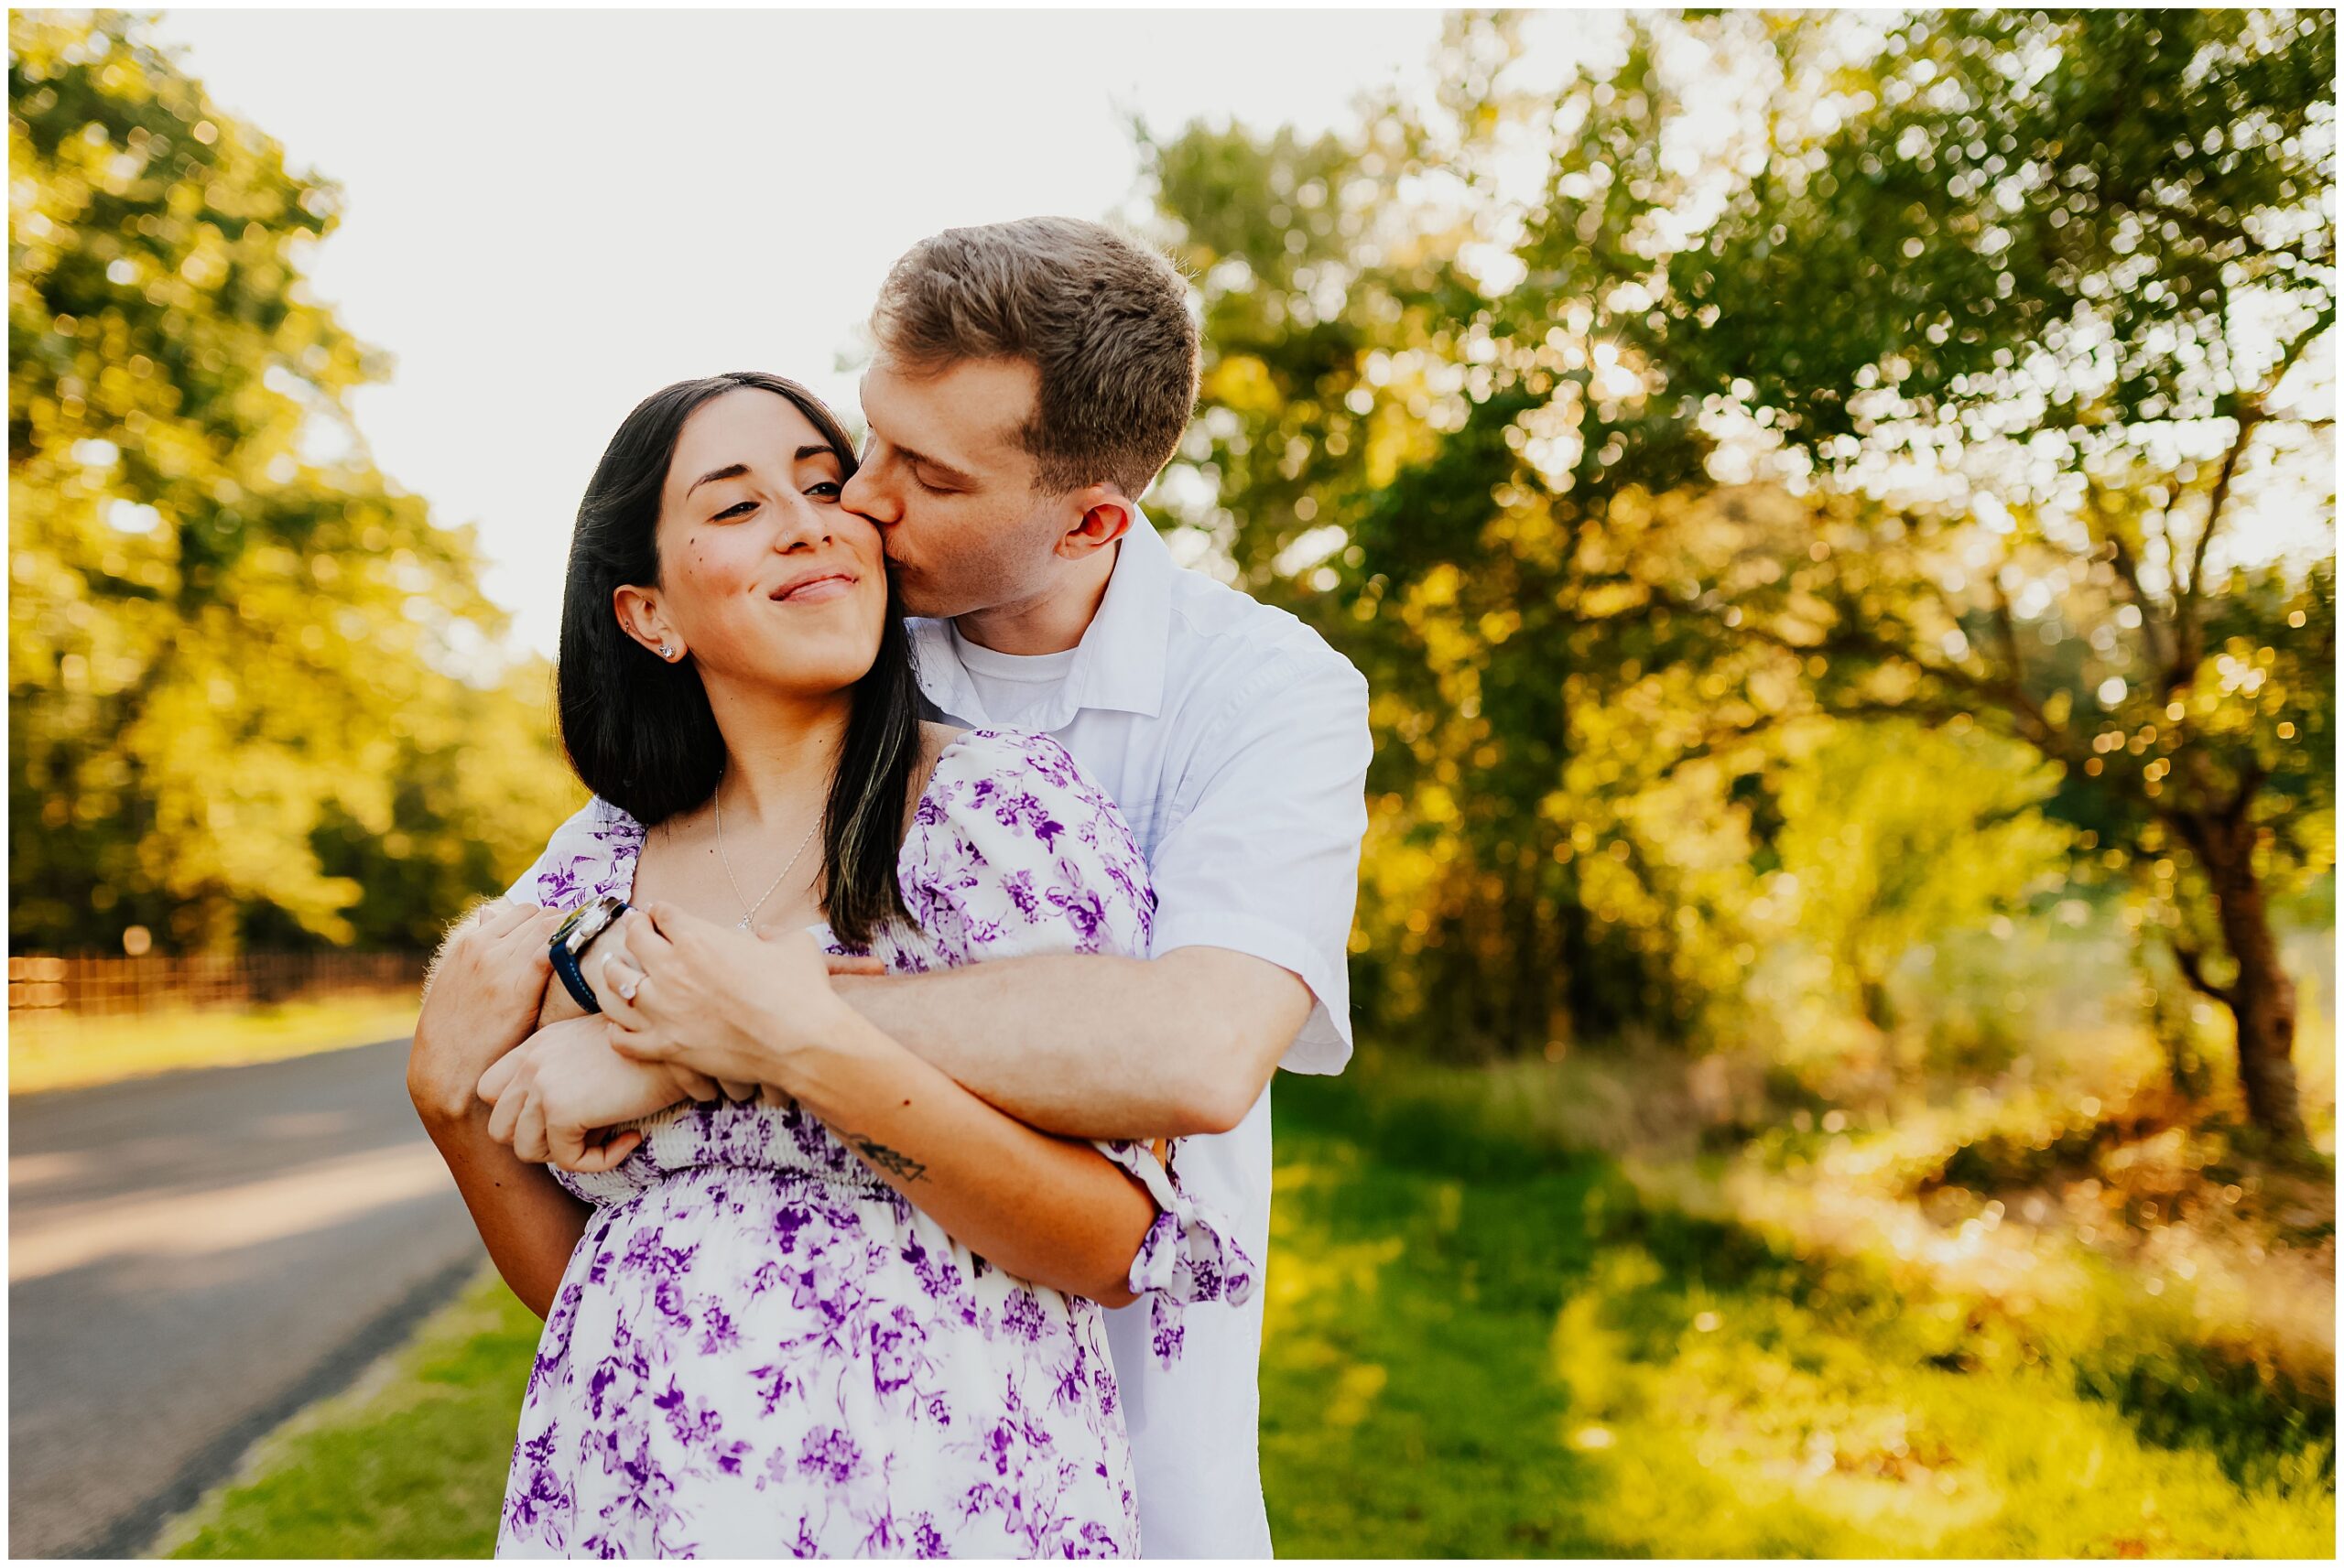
666 652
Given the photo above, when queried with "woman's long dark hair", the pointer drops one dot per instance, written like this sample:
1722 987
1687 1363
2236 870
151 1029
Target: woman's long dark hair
639 730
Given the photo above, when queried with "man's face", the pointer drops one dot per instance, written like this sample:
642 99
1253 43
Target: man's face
952 487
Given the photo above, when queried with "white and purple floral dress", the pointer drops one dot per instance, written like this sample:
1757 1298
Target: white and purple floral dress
759 1349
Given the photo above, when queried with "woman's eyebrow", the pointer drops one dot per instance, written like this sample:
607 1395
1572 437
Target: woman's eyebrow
730 471
734 471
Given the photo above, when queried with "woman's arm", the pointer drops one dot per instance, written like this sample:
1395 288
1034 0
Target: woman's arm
1047 1209
1101 1046
530 1223
483 992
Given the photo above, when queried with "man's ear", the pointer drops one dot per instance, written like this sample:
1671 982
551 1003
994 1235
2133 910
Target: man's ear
1105 518
641 617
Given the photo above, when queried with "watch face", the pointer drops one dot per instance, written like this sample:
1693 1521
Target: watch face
584 924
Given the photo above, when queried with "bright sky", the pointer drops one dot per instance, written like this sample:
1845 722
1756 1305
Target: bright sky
549 215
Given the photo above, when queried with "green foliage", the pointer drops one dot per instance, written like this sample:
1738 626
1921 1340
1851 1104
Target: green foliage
1836 366
1896 838
1364 438
235 709
2024 293
1987 197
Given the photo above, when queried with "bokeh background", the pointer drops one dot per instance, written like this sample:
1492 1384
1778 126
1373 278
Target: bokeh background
1836 512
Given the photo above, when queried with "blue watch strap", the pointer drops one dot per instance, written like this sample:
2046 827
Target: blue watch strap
564 964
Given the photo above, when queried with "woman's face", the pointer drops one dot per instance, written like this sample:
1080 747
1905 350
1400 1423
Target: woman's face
764 578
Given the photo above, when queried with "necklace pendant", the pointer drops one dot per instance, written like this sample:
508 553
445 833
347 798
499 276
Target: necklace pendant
745 923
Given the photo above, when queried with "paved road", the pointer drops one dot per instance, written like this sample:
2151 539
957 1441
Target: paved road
192 1258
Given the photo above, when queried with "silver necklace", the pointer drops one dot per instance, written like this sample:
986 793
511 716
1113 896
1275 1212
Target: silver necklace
748 920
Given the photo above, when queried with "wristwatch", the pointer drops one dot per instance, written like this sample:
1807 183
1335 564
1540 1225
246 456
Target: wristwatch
573 936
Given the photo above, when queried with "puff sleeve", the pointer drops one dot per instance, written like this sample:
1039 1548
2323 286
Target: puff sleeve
1019 853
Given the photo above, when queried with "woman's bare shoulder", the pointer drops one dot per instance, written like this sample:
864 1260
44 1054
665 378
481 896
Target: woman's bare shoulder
933 739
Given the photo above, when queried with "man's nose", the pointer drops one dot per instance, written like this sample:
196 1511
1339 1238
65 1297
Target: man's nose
866 498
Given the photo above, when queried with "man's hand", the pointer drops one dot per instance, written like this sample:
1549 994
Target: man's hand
552 1094
481 999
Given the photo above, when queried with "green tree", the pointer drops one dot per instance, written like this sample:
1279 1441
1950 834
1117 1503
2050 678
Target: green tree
1878 369
2024 296
1897 836
232 640
1360 436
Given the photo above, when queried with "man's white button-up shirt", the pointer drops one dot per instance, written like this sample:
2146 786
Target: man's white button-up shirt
1236 743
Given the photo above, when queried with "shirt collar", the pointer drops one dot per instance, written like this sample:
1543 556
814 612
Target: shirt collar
1119 664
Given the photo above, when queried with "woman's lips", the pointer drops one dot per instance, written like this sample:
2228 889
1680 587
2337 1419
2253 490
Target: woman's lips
820 590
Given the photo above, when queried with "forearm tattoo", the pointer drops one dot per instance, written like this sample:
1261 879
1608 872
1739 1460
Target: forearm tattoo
901 1166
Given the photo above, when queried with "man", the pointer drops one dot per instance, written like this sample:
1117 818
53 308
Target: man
1030 380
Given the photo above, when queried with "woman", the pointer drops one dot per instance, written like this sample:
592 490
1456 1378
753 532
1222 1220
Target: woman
857 1313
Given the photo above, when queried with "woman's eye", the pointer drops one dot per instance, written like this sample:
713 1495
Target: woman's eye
738 509
829 487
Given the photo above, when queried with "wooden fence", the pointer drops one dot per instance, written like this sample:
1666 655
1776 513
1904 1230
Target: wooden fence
45 988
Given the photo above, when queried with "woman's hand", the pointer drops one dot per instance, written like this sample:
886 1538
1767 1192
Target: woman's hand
686 991
481 999
553 1093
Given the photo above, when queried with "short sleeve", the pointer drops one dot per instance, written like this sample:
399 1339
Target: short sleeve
1265 857
590 856
1017 851
1190 1253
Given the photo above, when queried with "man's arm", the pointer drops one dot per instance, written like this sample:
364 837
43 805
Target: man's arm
1091 1046
1255 883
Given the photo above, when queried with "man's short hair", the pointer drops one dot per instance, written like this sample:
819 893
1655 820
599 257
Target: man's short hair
1105 321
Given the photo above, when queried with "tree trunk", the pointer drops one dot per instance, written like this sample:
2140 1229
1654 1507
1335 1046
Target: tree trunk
1534 968
2262 999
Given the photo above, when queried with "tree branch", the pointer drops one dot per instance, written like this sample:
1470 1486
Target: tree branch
2128 571
1931 713
2251 415
2295 350
2252 776
2191 964
2207 228
2003 694
2217 502
2006 627
1709 745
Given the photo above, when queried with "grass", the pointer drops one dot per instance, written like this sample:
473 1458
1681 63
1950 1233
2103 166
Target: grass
410 1463
1484 1345
1486 1342
76 1052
